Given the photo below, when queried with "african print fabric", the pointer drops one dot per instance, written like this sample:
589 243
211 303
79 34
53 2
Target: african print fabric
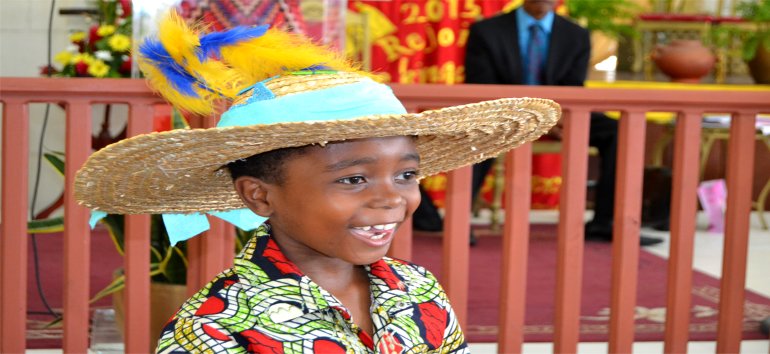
264 304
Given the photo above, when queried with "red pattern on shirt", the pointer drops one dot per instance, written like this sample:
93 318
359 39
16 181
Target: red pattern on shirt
366 339
434 318
262 344
274 254
211 306
382 270
214 333
327 346
389 344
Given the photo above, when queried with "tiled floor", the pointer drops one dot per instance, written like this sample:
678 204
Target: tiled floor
707 259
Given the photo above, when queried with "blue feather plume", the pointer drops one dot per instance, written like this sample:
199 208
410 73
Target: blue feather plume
183 81
211 43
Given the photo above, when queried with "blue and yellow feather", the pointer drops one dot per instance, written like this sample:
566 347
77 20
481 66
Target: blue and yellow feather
192 68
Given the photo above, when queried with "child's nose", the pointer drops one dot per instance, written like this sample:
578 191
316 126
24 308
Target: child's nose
388 196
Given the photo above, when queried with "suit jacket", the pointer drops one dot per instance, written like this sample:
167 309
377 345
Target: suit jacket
492 55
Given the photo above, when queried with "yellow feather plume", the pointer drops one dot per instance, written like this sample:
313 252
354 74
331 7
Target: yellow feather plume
176 66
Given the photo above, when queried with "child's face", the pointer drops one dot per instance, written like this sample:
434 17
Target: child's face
345 200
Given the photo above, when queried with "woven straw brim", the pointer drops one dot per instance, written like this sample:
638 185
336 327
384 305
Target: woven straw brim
181 171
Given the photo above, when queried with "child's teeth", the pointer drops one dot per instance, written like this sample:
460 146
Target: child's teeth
385 226
365 228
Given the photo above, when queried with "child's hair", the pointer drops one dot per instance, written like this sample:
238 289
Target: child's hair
267 166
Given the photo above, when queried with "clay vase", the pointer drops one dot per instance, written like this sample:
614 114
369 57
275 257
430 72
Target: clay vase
759 67
684 60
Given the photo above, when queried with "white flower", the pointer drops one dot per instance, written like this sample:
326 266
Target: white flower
104 55
72 48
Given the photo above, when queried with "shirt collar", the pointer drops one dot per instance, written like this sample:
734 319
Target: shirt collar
388 288
524 20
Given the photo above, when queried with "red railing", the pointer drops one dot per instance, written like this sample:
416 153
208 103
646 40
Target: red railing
208 258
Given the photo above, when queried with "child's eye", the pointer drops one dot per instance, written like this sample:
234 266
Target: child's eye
352 180
408 175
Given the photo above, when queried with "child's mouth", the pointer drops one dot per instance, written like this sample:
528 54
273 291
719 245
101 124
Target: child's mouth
375 234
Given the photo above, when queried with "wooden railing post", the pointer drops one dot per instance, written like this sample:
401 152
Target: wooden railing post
77 240
683 212
740 170
214 249
194 259
401 247
625 243
13 232
513 281
137 255
569 262
456 253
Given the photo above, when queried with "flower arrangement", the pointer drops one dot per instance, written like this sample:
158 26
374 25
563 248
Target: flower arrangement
105 51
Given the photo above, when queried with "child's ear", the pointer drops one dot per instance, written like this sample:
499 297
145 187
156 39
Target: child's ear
254 193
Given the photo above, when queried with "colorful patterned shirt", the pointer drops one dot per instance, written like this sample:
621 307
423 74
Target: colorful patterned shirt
264 304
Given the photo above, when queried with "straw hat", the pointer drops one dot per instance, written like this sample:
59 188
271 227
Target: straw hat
183 171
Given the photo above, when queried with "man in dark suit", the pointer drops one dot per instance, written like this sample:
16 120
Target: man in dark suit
534 46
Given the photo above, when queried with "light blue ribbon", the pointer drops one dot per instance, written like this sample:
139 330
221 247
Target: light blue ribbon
182 227
334 103
96 215
244 219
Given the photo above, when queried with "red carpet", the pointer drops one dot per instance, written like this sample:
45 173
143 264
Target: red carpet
104 261
595 299
485 260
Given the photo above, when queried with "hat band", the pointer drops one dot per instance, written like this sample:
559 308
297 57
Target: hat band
341 102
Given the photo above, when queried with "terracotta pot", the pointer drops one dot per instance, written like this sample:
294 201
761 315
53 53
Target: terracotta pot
684 60
165 300
759 67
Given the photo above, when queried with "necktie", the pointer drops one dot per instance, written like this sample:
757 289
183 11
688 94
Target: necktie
535 55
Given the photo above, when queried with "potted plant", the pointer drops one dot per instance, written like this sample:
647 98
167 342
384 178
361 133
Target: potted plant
613 18
756 41
103 51
610 23
748 37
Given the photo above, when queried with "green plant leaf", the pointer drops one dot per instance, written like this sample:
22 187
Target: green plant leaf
56 160
114 225
46 226
58 322
119 283
612 18
116 284
178 121
181 255
750 48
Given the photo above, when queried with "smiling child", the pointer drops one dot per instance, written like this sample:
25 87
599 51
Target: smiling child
331 159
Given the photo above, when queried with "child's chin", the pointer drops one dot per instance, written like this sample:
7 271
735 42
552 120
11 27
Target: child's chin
370 258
